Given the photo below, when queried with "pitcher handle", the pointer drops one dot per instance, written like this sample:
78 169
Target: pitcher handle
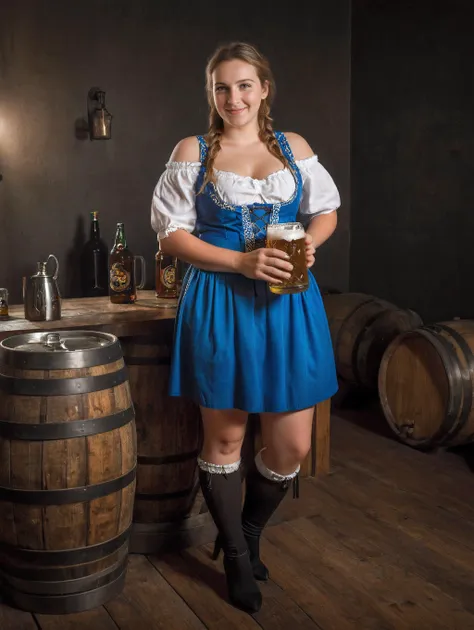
55 276
143 278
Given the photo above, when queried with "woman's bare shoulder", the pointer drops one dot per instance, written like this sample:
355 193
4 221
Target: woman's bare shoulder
187 150
299 146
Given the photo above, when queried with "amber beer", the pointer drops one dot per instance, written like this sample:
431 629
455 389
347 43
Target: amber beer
166 279
290 238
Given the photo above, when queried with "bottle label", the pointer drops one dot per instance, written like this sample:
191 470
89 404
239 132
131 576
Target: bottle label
168 277
119 278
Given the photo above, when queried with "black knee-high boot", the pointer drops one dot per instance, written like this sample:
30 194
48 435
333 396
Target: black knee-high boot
222 490
265 490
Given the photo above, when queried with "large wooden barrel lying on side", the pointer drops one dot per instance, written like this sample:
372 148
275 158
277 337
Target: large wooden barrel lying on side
67 470
426 385
169 509
361 328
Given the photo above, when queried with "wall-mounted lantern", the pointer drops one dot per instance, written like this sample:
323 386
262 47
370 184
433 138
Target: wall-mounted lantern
100 120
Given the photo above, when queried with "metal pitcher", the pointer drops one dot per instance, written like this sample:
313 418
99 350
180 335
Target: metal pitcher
41 294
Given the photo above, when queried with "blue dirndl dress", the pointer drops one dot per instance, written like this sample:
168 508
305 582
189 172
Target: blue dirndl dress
237 345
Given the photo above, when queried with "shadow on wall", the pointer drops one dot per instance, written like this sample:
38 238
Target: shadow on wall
72 281
81 129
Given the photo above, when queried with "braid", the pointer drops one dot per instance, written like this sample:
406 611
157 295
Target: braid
267 135
213 139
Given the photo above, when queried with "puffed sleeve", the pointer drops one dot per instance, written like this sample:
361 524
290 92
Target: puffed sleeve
173 205
320 194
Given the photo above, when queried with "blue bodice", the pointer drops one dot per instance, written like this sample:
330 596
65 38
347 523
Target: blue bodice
243 227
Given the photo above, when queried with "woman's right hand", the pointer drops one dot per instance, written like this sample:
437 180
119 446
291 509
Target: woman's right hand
267 264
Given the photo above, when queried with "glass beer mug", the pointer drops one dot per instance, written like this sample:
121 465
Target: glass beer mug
290 238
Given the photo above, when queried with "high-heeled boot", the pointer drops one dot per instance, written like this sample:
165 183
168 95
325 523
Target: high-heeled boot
265 490
222 490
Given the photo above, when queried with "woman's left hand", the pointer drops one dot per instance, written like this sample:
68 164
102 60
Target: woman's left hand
310 250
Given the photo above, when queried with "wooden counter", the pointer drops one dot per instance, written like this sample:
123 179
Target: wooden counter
144 318
97 314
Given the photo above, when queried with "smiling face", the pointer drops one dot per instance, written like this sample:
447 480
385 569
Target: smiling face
237 92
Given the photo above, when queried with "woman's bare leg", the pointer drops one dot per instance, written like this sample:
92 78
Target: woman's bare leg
286 438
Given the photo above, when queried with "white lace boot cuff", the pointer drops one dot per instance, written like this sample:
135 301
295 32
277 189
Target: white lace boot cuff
218 469
270 474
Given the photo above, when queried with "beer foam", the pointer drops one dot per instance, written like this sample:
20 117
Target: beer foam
276 233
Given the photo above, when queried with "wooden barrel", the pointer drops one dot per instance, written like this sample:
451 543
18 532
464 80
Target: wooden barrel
169 509
361 328
67 470
426 385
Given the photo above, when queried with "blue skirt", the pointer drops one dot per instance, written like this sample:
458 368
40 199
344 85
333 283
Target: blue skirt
239 346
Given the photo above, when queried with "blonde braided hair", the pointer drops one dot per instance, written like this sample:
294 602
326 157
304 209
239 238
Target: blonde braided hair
249 54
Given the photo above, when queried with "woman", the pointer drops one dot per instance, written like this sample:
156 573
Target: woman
240 348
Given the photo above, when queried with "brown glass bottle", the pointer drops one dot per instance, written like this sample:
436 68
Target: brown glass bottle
166 280
3 304
122 288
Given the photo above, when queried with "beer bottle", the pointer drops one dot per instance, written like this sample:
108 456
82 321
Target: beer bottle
122 289
166 279
94 262
3 304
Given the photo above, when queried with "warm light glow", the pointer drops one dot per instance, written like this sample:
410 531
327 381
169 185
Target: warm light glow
8 135
23 129
3 129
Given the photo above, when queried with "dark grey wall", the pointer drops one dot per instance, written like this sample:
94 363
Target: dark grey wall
149 57
412 218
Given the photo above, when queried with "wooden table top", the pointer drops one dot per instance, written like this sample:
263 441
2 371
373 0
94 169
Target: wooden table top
97 313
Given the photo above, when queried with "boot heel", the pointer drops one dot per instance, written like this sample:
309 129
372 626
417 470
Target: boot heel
260 571
217 548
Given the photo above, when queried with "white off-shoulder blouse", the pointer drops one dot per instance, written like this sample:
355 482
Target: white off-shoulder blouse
174 208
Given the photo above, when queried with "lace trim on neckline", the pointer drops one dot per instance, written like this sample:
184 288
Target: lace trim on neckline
183 166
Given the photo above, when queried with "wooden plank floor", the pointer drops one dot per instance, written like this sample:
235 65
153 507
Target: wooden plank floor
386 541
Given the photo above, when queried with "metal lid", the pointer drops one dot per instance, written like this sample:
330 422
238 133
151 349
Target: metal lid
60 350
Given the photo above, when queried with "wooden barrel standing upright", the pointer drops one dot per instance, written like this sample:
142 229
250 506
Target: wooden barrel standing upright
361 328
169 509
67 470
426 385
